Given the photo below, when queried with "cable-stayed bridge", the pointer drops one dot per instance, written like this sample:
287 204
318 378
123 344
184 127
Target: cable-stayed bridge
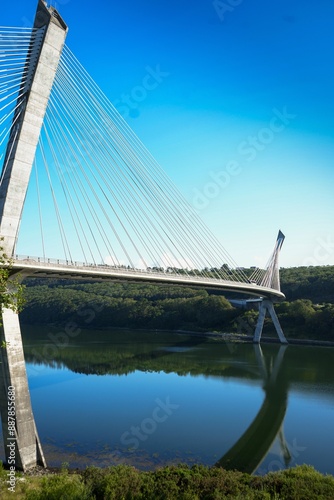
79 190
77 185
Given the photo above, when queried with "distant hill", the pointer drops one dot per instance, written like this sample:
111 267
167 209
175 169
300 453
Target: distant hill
313 283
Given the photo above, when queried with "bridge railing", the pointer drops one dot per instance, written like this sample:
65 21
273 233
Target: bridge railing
50 262
40 266
63 262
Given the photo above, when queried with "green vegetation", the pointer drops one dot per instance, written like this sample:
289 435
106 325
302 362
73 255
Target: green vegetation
313 283
308 312
126 306
11 291
172 483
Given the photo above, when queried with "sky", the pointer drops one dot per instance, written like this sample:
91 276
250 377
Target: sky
233 98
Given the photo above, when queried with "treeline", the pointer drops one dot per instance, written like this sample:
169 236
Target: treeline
307 313
313 283
126 305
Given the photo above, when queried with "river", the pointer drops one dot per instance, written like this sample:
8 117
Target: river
150 399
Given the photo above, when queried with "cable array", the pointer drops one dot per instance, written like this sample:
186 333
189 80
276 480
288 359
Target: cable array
112 202
101 197
258 275
18 49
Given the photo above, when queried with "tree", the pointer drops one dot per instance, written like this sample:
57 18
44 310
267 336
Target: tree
11 290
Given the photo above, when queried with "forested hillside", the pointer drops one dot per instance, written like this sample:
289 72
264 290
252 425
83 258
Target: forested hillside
313 283
307 313
126 305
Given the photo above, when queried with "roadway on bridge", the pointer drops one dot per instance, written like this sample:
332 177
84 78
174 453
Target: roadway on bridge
58 269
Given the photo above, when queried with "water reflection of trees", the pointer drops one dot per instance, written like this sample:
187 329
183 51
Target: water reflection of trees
274 366
123 352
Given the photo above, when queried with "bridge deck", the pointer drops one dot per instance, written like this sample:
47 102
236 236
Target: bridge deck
49 268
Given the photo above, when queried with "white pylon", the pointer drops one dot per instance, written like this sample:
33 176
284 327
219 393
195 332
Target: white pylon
271 279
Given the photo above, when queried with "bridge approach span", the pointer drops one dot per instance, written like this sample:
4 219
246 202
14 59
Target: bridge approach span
49 268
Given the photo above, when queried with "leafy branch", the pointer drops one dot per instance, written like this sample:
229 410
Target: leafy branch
11 290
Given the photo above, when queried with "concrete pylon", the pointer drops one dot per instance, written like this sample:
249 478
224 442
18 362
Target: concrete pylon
45 49
21 442
271 279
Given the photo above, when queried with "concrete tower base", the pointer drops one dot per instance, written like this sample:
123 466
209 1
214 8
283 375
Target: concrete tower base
22 446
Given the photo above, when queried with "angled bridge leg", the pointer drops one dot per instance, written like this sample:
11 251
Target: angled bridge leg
266 305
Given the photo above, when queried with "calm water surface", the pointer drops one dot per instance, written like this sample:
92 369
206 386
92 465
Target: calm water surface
151 399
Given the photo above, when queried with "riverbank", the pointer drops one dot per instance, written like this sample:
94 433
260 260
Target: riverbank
223 336
235 337
170 483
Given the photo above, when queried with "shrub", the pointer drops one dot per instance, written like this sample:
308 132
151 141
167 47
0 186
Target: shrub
60 486
115 483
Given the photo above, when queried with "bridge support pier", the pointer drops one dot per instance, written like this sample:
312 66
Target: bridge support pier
22 446
21 441
266 305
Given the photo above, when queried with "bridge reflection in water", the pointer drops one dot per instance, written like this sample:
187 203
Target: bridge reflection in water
252 447
254 444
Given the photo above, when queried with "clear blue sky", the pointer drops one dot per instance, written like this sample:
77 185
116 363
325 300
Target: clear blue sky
240 114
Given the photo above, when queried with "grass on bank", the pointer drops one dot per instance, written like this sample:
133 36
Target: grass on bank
169 483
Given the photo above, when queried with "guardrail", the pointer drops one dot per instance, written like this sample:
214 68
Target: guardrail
50 262
58 266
